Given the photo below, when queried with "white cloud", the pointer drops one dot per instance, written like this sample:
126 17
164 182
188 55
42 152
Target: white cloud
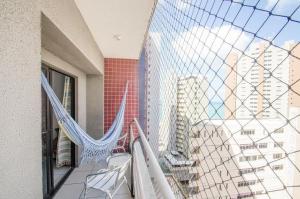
200 45
182 4
198 41
281 3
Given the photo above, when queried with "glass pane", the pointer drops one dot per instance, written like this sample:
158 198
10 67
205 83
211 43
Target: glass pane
61 145
44 139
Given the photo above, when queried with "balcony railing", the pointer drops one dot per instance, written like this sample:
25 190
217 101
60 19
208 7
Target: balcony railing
147 173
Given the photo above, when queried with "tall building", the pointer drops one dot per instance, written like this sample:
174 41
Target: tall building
294 74
230 85
152 90
260 87
191 106
238 158
161 99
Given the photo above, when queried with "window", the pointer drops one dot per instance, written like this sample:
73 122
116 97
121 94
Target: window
277 155
245 171
245 195
278 144
250 158
279 130
262 145
277 167
247 146
250 170
253 146
184 182
246 183
248 132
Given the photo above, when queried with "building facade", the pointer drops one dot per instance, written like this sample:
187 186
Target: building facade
191 106
247 158
258 82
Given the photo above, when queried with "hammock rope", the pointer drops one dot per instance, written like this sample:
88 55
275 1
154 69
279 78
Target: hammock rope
91 149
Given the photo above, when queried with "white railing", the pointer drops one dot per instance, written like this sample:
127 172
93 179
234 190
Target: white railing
142 184
156 173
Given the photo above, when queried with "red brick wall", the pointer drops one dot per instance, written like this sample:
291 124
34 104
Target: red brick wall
116 73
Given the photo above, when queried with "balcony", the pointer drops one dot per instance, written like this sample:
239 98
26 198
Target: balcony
212 104
74 186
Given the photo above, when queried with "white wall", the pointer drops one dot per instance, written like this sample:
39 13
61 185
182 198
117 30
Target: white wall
20 100
67 18
127 18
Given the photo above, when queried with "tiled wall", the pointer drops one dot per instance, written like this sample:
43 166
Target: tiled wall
116 73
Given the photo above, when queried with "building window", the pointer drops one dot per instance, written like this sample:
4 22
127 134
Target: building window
280 130
245 171
277 167
247 146
262 145
250 158
184 182
277 155
246 183
248 132
278 144
250 170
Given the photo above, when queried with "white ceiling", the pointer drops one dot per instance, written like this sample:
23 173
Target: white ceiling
108 19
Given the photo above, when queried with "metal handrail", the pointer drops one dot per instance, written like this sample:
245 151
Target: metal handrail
140 176
155 167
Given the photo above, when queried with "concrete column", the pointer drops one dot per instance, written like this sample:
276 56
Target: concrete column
20 100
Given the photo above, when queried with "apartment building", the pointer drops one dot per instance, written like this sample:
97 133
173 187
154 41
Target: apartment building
152 92
240 157
258 81
191 106
247 158
161 99
183 169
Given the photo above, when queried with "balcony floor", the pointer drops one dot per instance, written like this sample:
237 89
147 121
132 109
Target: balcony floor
73 186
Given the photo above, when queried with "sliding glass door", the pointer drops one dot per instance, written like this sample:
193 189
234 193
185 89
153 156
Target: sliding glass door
58 152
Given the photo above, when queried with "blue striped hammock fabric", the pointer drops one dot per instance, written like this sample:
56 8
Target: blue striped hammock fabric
92 150
63 157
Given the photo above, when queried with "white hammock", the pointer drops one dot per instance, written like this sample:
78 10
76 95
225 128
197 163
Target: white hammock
91 149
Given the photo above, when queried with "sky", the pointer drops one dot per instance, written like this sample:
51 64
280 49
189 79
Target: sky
194 41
